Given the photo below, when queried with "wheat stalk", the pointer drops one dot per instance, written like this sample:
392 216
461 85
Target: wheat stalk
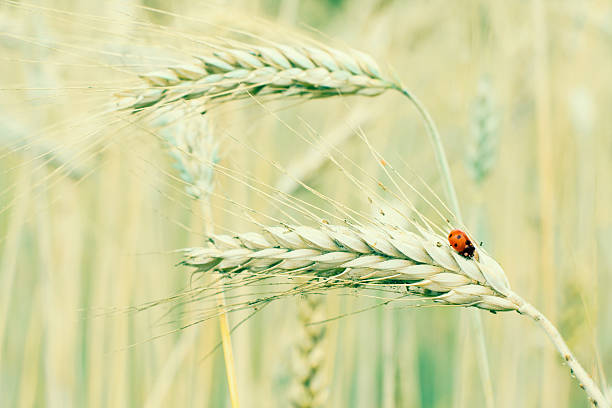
194 149
246 70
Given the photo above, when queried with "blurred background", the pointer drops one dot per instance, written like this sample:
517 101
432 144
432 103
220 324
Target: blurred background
91 208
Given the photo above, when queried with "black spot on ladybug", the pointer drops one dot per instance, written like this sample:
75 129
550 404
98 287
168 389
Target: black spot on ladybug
458 236
455 245
468 252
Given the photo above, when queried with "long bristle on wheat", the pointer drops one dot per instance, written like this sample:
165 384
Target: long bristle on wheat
238 72
350 256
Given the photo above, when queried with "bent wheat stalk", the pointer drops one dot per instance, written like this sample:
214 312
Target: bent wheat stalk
421 262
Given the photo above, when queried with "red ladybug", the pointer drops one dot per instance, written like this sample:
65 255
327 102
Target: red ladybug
461 243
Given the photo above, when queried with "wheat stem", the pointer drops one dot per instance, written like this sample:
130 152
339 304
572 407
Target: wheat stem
436 140
194 149
228 354
451 194
596 397
226 339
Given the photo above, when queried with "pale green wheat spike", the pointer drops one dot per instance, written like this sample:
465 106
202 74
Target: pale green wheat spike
309 389
482 154
239 73
193 148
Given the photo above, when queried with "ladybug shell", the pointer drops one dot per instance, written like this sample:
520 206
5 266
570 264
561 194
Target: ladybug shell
461 243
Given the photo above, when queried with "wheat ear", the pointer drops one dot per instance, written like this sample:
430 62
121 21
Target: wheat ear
309 388
240 72
345 256
482 155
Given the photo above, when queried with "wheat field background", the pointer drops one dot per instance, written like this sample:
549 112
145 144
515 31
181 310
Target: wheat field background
92 208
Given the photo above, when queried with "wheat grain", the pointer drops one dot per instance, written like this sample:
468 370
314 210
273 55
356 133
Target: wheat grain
238 72
422 262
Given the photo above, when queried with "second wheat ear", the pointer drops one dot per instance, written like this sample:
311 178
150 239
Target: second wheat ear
280 71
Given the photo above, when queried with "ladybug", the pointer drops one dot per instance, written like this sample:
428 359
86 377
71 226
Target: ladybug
461 243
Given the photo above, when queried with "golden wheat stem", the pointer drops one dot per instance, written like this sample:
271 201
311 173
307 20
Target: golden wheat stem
226 339
228 354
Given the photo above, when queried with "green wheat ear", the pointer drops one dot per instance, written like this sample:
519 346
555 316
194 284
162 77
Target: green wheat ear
192 145
484 131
